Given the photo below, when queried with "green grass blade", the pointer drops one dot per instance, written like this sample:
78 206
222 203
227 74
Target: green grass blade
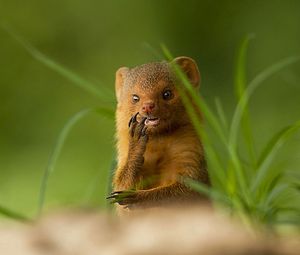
166 52
185 98
270 152
237 172
275 192
216 171
189 95
240 69
221 114
13 215
105 95
58 148
153 51
240 86
56 152
270 183
204 189
295 222
254 84
197 99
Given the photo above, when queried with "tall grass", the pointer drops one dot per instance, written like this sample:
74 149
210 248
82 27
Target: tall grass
104 110
249 190
57 149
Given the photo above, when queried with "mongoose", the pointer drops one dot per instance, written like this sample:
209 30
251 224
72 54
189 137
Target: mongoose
156 142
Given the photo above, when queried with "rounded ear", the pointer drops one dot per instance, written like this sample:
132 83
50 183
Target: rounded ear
120 75
190 68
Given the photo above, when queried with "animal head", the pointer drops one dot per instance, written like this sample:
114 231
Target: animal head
150 90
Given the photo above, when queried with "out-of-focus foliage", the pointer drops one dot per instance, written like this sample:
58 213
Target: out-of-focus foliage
93 39
246 185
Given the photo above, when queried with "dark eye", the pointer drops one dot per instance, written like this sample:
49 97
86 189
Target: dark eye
167 95
135 98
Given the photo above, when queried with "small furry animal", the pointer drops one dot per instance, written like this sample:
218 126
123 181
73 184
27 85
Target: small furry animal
157 144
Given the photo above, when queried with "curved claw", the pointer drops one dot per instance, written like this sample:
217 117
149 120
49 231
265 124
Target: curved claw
143 120
133 119
119 196
113 194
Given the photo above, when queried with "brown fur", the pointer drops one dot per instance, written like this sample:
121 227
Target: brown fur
153 164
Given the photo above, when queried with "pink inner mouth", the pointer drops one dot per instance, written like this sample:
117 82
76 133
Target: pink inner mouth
152 122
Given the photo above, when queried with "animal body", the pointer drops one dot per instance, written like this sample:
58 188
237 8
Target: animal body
157 145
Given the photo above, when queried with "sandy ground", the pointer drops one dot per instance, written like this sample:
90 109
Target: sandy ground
168 231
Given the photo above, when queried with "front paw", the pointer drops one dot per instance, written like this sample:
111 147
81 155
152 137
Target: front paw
138 130
124 197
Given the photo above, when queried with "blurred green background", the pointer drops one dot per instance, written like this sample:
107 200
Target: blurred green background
94 38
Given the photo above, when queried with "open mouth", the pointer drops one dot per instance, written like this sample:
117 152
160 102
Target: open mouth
152 121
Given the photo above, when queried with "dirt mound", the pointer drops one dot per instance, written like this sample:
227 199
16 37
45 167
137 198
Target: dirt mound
189 231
